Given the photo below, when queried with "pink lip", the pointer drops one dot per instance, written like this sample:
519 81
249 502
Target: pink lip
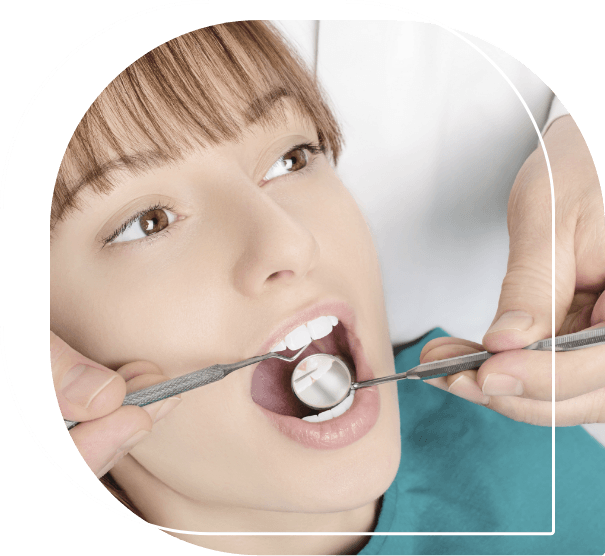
363 413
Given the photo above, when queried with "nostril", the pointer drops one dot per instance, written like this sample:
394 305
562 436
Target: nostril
281 274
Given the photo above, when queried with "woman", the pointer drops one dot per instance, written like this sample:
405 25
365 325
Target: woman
197 219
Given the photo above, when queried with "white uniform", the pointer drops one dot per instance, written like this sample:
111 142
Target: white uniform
435 136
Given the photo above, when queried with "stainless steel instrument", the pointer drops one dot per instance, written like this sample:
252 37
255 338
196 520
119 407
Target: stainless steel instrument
326 383
322 381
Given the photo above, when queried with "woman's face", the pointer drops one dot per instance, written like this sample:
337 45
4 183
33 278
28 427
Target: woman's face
243 248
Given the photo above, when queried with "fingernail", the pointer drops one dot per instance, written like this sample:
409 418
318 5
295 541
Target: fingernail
465 387
130 444
159 410
502 385
512 320
82 383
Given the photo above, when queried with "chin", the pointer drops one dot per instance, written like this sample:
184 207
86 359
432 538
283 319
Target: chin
359 480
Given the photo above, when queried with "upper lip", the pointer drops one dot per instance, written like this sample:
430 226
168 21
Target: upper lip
340 309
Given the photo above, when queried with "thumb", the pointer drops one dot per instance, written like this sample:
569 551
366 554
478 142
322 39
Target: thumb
85 390
524 312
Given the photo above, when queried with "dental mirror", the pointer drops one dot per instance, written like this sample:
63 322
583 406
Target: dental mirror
321 381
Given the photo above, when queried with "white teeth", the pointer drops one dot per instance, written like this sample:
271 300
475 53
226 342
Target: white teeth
311 419
323 366
313 330
298 338
319 327
325 416
310 371
304 383
334 412
279 347
310 365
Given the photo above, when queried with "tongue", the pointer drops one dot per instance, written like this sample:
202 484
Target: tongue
271 387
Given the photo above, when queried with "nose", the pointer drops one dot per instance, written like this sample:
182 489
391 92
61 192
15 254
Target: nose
278 249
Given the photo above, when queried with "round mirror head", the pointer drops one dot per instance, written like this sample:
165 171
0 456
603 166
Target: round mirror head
321 381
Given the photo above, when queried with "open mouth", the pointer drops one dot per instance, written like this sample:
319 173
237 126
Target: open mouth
271 381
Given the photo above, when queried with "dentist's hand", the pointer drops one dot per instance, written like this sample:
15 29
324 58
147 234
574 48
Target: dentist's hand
518 383
92 395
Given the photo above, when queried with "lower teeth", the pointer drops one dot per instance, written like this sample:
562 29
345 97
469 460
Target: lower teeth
332 413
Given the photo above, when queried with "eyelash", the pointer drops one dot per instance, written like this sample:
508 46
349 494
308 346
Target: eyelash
134 218
312 148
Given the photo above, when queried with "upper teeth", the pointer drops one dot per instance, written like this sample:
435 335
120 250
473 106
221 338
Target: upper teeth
312 330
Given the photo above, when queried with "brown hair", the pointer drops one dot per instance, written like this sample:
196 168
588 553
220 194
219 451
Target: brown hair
110 484
199 89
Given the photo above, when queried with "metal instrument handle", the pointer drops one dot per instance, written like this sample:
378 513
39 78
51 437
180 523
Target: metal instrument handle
453 365
180 384
169 388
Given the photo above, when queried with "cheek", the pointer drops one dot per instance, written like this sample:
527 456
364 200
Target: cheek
141 310
344 236
348 250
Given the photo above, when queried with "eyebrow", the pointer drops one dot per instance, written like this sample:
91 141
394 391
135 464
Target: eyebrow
258 111
260 108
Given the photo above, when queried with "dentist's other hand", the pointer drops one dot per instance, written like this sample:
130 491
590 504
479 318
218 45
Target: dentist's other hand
518 383
93 394
522 387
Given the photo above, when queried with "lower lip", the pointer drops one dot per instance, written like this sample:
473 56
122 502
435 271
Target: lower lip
347 428
335 433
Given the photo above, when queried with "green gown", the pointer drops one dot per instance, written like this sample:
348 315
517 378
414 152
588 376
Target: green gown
467 469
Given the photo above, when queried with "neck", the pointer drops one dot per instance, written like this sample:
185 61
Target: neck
163 506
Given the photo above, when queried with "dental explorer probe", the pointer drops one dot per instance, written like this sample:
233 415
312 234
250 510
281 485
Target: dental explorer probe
446 367
326 384
322 381
187 382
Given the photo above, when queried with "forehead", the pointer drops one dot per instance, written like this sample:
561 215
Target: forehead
198 90
138 157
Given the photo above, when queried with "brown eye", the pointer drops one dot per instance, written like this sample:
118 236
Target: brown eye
143 224
153 221
298 157
291 162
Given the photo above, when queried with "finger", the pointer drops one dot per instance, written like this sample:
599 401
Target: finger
463 384
588 408
85 390
529 374
598 313
446 340
524 312
104 441
142 374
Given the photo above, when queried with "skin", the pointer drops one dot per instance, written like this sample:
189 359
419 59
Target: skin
242 256
286 217
518 383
